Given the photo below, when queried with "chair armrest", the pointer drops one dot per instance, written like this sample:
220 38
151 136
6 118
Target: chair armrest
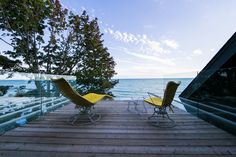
152 94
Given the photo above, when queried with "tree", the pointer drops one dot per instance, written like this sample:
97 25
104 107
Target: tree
56 26
96 68
65 43
24 22
70 46
74 45
6 63
63 48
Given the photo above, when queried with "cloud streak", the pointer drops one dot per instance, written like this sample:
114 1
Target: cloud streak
153 58
144 43
165 61
197 52
171 43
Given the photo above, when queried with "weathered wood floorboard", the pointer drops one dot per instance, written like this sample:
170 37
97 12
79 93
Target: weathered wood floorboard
118 133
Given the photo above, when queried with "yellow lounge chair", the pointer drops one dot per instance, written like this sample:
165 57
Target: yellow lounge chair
160 104
85 103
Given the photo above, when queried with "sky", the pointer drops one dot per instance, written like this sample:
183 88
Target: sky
160 38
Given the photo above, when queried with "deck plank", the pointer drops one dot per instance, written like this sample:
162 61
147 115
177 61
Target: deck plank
118 133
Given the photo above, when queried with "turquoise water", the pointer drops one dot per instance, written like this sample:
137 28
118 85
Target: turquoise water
126 88
15 86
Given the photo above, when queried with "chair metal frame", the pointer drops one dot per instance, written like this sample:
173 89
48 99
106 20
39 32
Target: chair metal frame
137 106
84 113
85 104
161 111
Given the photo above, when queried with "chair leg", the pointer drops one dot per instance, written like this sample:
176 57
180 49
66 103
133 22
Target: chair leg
94 117
86 115
161 122
155 113
138 108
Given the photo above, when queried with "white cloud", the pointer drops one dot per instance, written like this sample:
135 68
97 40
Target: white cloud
121 36
189 58
166 61
212 50
171 43
156 47
83 8
197 52
141 53
126 61
150 57
142 42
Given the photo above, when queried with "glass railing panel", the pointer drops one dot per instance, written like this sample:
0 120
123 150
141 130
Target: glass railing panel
25 96
51 96
19 97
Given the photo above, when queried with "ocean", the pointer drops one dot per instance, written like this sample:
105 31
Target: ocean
126 89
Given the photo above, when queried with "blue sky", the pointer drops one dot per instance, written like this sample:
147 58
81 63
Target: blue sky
160 38
156 38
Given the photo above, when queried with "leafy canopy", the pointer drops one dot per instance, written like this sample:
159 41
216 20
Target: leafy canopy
46 38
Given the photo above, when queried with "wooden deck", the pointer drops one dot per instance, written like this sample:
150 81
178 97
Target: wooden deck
118 133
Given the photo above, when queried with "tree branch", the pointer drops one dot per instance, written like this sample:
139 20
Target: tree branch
6 42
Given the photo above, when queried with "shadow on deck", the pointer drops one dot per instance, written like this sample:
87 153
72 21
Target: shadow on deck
118 133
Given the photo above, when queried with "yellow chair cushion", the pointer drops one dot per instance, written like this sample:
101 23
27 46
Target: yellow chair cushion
155 101
94 98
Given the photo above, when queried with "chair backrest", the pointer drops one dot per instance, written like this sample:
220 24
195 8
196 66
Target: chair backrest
169 93
70 93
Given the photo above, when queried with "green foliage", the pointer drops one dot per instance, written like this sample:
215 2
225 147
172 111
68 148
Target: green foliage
96 68
24 22
74 46
66 41
56 27
4 89
66 53
6 63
